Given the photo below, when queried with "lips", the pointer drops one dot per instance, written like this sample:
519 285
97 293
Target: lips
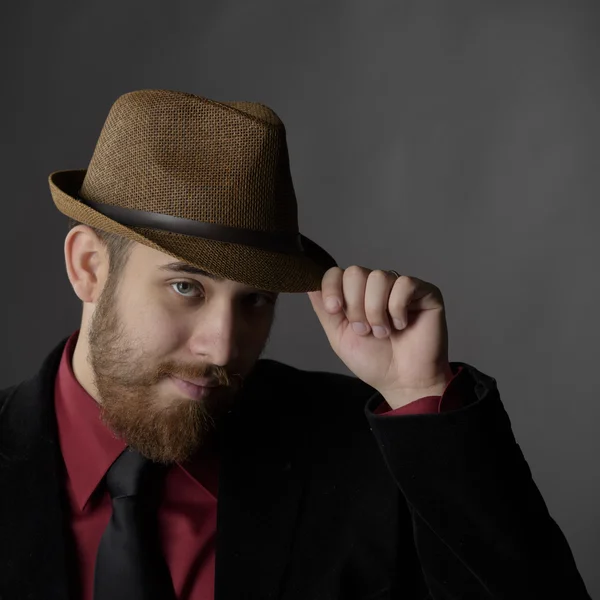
202 382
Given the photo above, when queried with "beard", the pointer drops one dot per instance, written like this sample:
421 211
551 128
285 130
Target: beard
162 431
168 434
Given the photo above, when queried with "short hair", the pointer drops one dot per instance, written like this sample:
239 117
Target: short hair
118 247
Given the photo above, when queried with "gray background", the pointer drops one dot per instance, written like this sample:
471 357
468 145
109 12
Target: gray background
453 141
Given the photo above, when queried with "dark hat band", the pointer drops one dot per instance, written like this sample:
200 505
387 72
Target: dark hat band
286 243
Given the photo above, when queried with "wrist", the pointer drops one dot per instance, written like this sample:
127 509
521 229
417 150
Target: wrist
399 398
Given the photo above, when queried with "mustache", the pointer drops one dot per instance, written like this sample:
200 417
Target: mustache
219 375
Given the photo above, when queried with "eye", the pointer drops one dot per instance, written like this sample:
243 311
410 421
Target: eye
255 300
185 282
262 299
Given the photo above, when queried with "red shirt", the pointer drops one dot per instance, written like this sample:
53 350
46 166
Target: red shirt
187 517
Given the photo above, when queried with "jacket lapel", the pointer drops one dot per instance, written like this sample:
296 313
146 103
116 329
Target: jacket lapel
260 489
259 492
33 522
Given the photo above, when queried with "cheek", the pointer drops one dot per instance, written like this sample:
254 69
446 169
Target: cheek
154 324
250 330
258 331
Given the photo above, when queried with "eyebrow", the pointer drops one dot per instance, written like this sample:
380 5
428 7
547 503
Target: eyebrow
181 267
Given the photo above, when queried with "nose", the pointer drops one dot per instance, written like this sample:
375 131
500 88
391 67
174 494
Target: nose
216 336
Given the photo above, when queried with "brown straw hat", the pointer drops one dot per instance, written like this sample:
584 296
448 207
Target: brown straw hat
206 182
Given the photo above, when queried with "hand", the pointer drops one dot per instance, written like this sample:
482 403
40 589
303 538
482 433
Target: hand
408 362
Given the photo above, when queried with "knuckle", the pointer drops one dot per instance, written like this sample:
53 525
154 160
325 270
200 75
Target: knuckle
332 273
380 274
331 281
354 271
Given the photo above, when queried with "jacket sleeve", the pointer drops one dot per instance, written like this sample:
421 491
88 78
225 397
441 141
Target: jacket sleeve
451 399
481 527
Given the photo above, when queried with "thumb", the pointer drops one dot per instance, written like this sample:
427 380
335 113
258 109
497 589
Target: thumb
330 319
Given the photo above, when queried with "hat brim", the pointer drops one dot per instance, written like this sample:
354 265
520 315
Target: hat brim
258 268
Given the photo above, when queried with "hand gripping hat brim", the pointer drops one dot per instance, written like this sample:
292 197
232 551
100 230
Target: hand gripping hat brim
206 182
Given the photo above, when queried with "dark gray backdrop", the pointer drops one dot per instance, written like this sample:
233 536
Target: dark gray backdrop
453 141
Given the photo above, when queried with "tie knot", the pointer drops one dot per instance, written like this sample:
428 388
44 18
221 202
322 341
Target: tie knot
131 474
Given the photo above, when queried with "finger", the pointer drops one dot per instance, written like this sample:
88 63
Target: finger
400 297
330 321
379 286
354 287
414 294
331 290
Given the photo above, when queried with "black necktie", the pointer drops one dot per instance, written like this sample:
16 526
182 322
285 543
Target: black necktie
129 563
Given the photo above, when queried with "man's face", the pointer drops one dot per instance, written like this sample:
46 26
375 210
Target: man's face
153 324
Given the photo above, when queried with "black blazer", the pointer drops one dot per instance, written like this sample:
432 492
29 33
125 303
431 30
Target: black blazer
319 498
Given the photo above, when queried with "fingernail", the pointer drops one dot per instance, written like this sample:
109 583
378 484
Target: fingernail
398 324
380 332
332 303
359 327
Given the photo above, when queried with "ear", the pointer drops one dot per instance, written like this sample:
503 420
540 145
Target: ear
86 261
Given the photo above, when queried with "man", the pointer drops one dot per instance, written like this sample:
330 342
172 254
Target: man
155 455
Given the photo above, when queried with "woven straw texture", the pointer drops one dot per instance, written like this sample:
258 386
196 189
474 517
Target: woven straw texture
186 156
